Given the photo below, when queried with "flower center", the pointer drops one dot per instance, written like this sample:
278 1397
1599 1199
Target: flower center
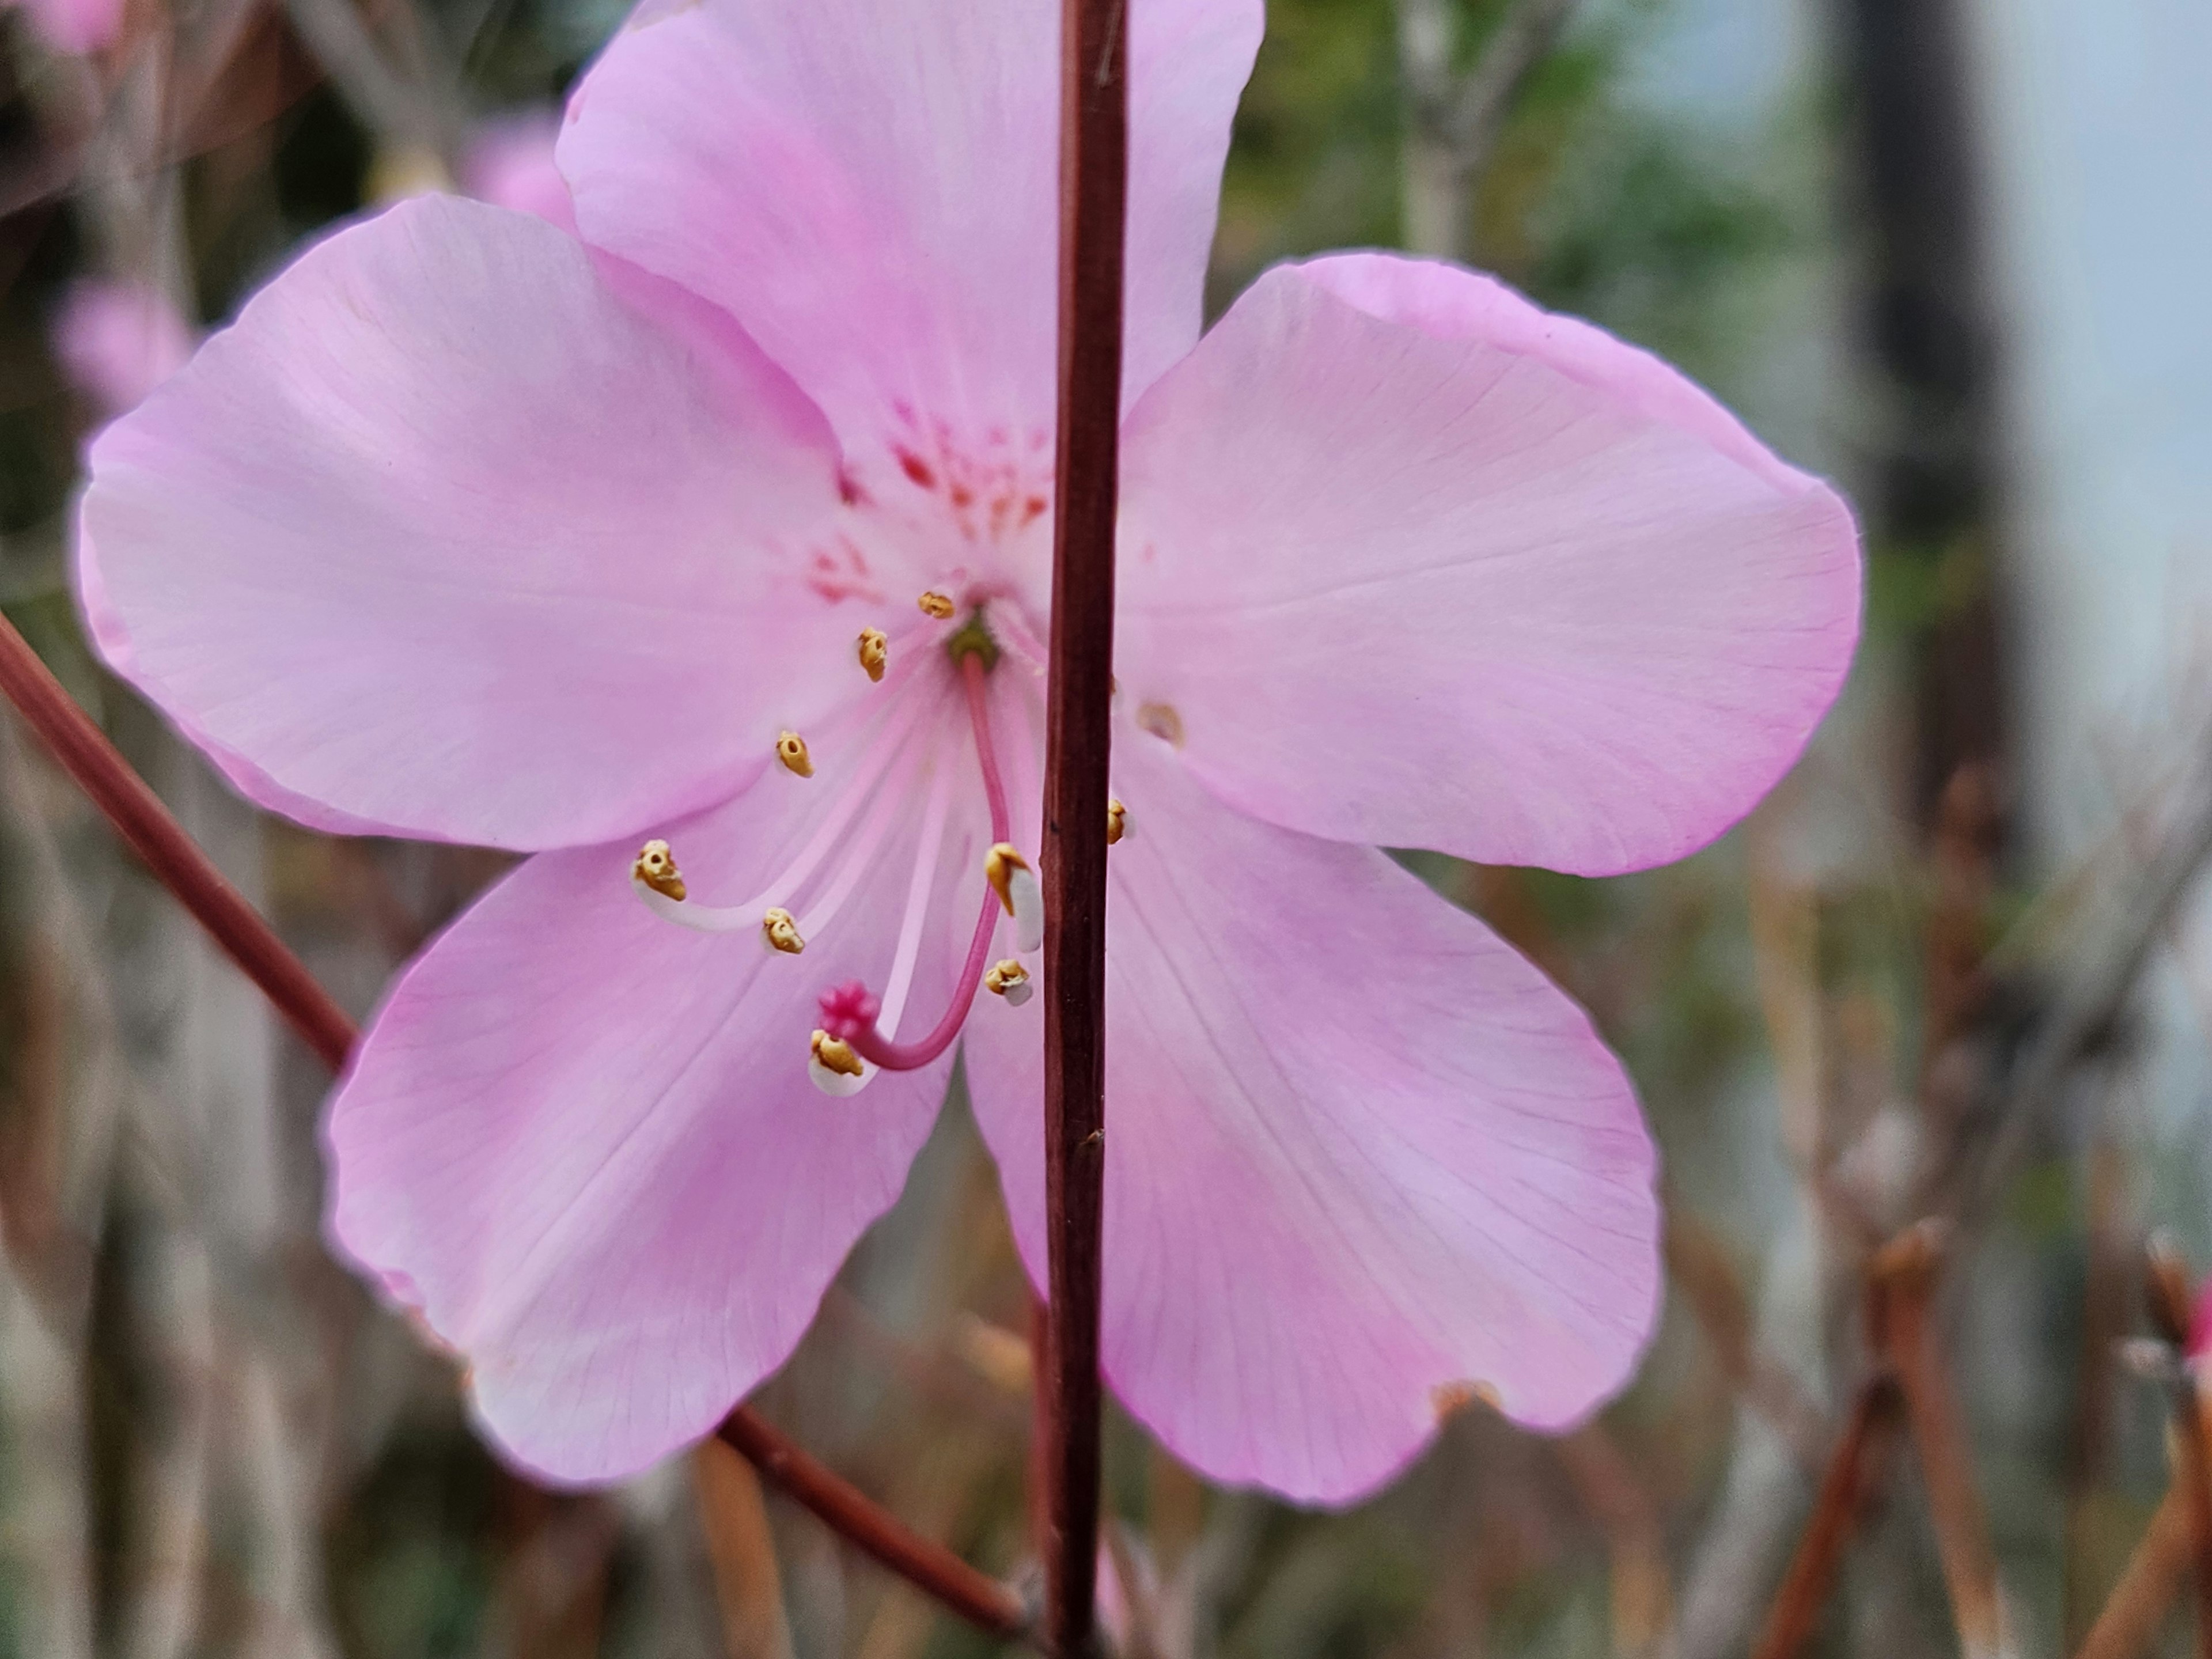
857 1037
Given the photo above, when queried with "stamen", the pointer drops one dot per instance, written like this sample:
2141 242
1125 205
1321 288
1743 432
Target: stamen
889 799
868 774
849 1013
791 749
1117 821
937 604
908 951
1016 884
1010 980
875 652
780 931
836 1069
656 867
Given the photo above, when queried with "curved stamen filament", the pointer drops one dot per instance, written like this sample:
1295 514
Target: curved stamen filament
889 799
867 774
908 951
849 1013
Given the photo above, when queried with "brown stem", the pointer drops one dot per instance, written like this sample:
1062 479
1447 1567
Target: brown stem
85 753
2137 1605
1906 1269
1843 1492
1093 192
2105 1307
979 1599
139 816
2169 1298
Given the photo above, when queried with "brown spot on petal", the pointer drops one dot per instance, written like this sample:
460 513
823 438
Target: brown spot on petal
1449 1399
1161 720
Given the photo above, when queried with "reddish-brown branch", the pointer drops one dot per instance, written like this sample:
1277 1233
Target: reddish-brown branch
139 816
1842 1495
2168 1283
1905 1271
975 1596
1094 181
2137 1605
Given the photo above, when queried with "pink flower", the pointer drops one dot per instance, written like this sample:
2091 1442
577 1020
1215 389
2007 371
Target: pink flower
508 162
468 530
76 27
117 341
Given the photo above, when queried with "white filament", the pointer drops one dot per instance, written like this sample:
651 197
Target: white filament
917 901
867 775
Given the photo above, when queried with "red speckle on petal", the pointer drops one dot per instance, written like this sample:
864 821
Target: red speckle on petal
840 573
962 495
917 468
1033 509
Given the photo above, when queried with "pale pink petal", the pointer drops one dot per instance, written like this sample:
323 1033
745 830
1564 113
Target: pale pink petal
75 26
1406 560
508 162
1360 1156
446 537
581 1141
117 341
871 188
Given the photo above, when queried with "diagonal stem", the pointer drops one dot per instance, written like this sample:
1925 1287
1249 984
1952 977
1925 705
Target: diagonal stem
2168 1296
85 753
1093 195
1855 1466
979 1599
176 862
1906 1268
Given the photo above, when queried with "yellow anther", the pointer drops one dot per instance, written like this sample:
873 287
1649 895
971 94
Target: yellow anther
875 652
1009 979
836 1055
656 867
934 604
1117 821
998 866
781 932
791 749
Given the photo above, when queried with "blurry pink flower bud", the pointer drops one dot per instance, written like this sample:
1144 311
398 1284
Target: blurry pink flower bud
75 26
509 163
117 341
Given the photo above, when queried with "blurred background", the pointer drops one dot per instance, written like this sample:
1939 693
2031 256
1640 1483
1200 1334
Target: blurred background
1953 253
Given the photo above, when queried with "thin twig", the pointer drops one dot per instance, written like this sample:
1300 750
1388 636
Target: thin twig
1906 1270
1094 186
1635 1541
139 816
2104 1306
85 753
1843 1492
975 1596
2168 1283
2137 1605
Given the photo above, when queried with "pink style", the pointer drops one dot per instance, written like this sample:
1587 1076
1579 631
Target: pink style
705 559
